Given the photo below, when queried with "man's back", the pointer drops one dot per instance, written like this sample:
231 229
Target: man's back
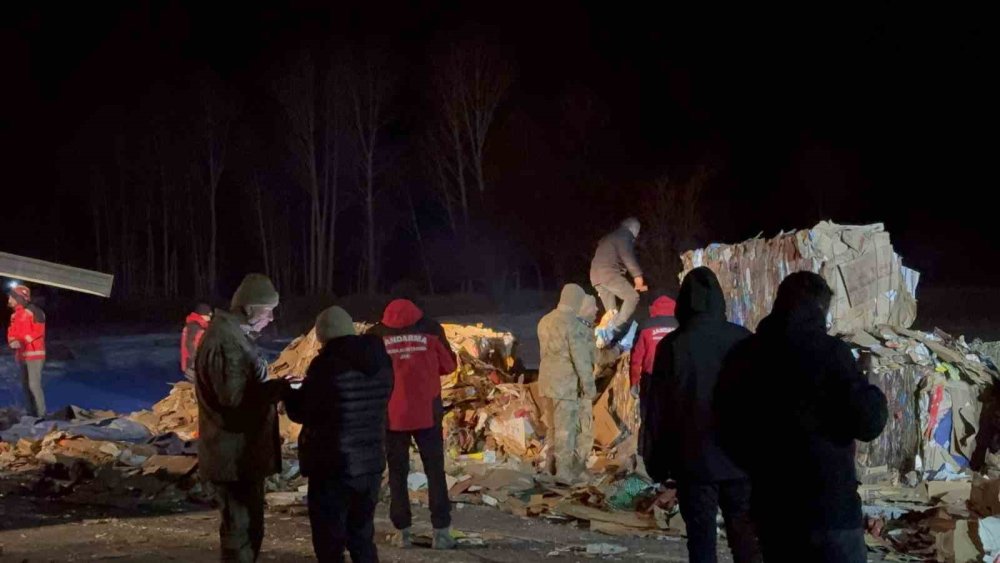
793 378
419 358
686 370
564 348
342 406
615 253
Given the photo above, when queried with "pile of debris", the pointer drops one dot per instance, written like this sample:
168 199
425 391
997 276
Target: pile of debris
100 459
487 409
939 390
925 486
870 284
938 520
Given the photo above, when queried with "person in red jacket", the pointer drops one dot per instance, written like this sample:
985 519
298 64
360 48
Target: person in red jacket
660 323
194 328
26 336
419 359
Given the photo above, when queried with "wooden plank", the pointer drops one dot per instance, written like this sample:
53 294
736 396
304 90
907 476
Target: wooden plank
32 270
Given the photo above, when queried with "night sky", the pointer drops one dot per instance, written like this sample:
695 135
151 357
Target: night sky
868 115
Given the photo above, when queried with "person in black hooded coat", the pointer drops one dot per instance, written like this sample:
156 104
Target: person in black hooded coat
791 403
679 434
342 408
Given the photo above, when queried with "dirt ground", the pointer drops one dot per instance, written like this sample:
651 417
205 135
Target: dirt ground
37 530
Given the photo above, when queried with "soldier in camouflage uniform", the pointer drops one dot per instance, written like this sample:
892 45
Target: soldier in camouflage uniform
566 376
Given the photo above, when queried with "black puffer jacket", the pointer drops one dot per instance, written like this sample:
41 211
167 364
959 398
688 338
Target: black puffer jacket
342 408
793 396
679 433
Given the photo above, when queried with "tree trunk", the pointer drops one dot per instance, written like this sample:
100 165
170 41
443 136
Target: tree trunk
150 250
420 243
331 223
258 192
370 212
213 241
96 210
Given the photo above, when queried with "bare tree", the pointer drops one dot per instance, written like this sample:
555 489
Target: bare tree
482 77
672 223
310 94
370 86
441 170
470 82
212 129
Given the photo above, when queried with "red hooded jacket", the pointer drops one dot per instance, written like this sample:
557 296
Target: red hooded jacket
194 329
660 323
27 327
419 359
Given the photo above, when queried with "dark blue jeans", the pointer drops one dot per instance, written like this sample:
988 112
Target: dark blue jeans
342 515
700 504
820 546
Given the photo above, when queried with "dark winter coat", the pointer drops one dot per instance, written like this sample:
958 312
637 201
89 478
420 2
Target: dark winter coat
791 405
614 256
237 420
342 408
680 438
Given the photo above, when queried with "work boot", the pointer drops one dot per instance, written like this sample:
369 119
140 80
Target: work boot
403 539
443 539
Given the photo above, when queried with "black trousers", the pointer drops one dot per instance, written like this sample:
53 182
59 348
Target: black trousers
342 515
430 443
820 546
241 508
700 503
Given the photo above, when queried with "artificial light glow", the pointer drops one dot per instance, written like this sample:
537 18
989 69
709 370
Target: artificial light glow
13 283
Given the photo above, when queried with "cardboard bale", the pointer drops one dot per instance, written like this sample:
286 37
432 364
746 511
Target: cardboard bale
870 284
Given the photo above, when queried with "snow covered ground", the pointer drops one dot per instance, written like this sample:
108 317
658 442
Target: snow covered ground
126 373
119 373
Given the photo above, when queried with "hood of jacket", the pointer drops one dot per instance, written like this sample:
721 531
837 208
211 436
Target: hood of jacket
700 297
401 313
197 319
663 306
800 306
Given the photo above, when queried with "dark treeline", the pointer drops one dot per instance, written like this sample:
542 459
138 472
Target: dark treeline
341 166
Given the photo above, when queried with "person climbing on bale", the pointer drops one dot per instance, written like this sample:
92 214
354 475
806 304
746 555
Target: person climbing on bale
615 255
342 408
419 359
239 444
26 336
194 329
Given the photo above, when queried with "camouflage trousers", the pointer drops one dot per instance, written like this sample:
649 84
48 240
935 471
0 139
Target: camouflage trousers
572 436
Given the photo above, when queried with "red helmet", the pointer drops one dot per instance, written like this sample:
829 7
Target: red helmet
20 293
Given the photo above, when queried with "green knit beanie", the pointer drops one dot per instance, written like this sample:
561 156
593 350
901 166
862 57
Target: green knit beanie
256 289
333 323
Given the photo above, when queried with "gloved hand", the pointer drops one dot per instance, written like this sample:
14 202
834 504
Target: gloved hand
604 336
15 344
635 391
628 340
